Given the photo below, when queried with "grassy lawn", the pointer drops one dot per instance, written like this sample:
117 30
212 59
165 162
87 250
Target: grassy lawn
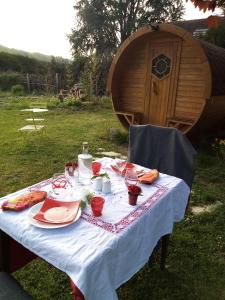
196 261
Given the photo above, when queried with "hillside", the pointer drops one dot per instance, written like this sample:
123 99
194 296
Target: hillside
38 56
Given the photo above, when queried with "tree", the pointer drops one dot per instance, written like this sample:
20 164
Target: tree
103 24
58 73
77 66
216 36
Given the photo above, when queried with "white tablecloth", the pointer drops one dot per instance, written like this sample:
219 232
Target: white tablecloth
99 254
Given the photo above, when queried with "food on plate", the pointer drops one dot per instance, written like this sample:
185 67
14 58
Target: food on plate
24 201
149 177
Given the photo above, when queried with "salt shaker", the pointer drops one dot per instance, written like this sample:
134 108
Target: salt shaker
106 186
97 183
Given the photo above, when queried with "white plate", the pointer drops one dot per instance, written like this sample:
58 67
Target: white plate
34 210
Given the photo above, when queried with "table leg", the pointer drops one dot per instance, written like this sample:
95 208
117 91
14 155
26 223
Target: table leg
77 295
4 257
165 243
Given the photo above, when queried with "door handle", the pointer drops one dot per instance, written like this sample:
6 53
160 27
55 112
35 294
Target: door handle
155 88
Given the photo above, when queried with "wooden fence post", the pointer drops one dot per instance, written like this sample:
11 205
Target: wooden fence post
28 83
57 82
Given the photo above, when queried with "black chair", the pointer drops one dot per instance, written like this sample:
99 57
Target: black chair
10 289
164 149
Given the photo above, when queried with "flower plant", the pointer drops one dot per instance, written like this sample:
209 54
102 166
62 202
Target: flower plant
219 147
86 199
134 189
100 175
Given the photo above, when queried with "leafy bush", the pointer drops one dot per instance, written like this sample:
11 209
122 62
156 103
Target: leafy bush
219 148
73 102
18 90
119 137
8 79
53 103
216 36
105 102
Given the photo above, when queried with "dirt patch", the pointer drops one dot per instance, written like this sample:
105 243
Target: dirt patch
196 210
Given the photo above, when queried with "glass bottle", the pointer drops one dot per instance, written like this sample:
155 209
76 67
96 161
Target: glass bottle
85 165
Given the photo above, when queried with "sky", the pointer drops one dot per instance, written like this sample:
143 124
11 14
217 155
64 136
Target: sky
42 25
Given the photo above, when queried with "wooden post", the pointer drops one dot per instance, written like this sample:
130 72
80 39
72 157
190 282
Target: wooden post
90 87
57 82
28 83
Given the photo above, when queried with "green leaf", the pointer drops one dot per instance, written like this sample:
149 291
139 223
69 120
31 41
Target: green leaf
100 175
89 196
83 204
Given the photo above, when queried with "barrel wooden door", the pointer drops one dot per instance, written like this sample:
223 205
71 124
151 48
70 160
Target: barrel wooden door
161 80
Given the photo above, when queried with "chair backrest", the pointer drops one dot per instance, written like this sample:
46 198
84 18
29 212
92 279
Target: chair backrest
162 148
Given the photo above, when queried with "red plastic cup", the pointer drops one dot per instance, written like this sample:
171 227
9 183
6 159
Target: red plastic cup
132 199
96 166
97 204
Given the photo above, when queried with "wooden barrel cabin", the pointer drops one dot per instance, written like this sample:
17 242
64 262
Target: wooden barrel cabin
163 76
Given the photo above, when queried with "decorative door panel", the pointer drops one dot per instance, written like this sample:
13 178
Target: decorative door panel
164 59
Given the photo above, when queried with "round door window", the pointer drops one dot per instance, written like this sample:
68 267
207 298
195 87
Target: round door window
161 66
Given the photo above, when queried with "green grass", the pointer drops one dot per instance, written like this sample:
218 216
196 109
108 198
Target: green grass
196 261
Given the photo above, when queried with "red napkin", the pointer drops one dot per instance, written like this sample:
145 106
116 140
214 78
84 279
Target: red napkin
57 212
24 201
121 167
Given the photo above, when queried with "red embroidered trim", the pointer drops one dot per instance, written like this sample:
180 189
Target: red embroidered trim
40 185
131 217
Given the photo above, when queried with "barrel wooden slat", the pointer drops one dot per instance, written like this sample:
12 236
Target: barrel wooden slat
184 114
193 105
191 60
185 111
137 108
190 67
189 93
133 89
191 71
182 99
194 92
130 102
185 86
136 75
195 77
192 83
132 83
